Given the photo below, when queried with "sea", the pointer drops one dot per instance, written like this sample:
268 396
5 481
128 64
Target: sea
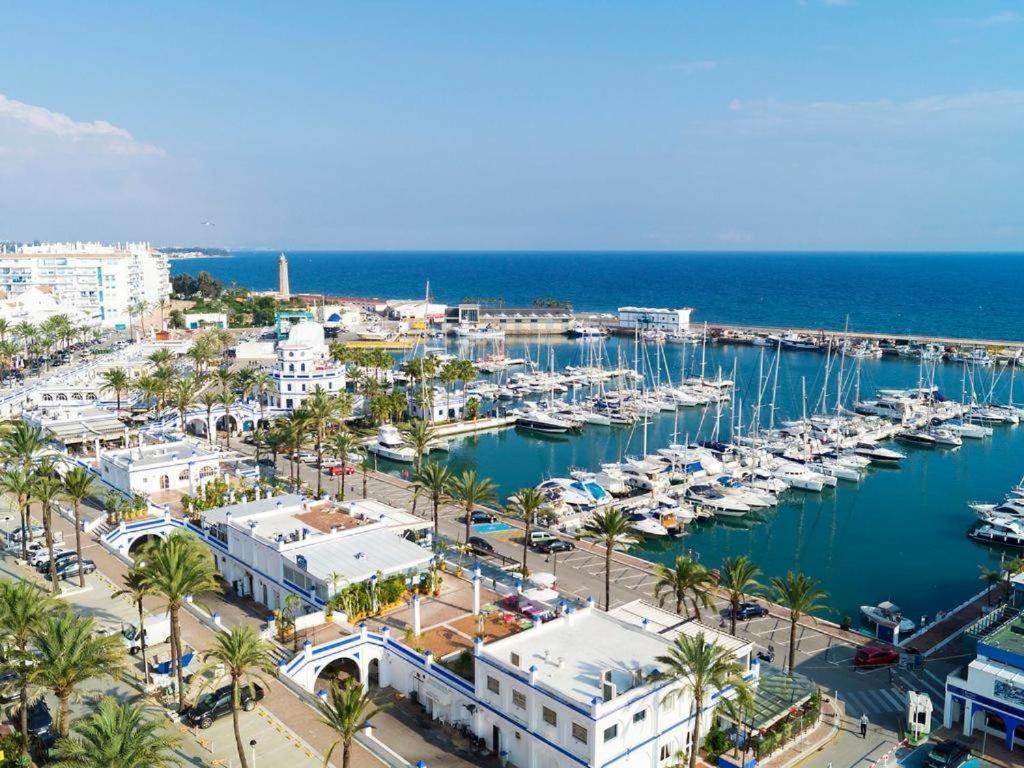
972 295
899 534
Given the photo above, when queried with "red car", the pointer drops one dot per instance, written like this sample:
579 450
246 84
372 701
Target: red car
874 656
336 470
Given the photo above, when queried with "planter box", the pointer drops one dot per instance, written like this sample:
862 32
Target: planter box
727 761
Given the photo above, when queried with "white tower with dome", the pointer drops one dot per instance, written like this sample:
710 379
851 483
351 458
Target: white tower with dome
303 364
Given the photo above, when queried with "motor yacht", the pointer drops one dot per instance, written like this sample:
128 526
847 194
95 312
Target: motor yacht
1008 532
755 498
877 454
798 476
390 444
611 480
716 501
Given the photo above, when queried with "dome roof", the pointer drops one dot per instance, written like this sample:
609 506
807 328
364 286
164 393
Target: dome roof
305 334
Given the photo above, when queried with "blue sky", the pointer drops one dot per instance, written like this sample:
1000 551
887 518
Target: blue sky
822 124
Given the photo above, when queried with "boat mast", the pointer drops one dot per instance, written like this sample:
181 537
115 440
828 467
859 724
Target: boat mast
775 386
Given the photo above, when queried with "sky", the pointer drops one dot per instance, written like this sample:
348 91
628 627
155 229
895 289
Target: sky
438 124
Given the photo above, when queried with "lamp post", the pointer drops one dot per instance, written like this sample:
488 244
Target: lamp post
252 746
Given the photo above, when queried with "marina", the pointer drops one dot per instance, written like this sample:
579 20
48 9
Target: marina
891 526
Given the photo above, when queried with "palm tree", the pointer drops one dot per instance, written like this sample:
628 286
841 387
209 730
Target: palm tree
739 578
243 655
18 482
612 530
209 399
991 577
116 735
115 380
261 386
23 444
703 667
293 427
436 480
526 504
343 445
69 653
800 594
420 434
173 568
46 490
78 486
227 399
136 588
685 578
23 609
346 710
323 412
471 492
183 392
225 377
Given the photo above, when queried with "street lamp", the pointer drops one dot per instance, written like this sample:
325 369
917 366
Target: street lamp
252 746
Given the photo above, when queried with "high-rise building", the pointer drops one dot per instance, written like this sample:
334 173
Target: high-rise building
283 290
102 283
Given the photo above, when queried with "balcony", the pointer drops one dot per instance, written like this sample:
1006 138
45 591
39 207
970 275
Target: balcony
1000 636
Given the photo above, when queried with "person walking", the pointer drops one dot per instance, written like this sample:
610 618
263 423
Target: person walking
864 726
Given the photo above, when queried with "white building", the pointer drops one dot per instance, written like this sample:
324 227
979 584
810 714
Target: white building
990 698
196 320
303 364
269 548
36 304
654 319
578 690
101 282
438 405
176 466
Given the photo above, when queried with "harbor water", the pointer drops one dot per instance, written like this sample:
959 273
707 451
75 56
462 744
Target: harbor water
900 534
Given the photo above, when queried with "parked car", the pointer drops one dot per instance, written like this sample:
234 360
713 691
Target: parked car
537 538
336 470
73 567
218 703
480 545
9 687
875 656
747 611
42 555
44 566
40 721
479 516
558 545
948 754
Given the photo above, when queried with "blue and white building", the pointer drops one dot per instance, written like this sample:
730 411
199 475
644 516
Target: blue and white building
989 694
304 363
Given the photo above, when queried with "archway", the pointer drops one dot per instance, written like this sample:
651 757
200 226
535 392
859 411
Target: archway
196 426
224 421
140 542
373 673
336 672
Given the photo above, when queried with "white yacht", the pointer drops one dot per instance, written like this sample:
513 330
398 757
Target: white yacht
877 454
389 444
737 489
799 476
536 419
612 480
715 501
1004 531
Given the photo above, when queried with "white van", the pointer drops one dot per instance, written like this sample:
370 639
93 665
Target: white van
537 537
157 629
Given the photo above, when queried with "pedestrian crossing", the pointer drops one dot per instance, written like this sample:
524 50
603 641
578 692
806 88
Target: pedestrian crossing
883 700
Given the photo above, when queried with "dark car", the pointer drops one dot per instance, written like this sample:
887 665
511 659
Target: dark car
218 703
948 754
61 559
558 545
40 721
71 568
747 611
479 516
9 692
480 545
875 656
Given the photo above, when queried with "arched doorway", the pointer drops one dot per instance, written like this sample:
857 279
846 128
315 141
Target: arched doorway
337 672
141 542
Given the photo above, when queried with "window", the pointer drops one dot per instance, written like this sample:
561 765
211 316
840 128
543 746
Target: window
611 732
518 699
666 752
492 685
514 658
639 717
549 716
579 732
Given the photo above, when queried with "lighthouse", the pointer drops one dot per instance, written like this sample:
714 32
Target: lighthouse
283 291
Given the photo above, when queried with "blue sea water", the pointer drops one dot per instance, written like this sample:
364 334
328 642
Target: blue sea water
975 295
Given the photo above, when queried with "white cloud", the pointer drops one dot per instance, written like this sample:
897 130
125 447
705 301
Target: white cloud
992 109
693 67
97 135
